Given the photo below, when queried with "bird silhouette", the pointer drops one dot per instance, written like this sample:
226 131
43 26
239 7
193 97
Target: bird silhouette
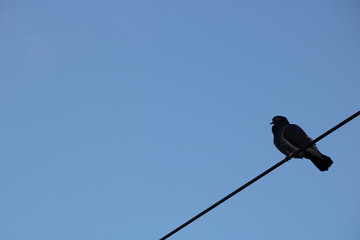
289 138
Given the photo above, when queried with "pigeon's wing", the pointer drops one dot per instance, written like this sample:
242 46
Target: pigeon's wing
296 136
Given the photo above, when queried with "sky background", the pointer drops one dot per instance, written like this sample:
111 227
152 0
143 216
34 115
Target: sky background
124 119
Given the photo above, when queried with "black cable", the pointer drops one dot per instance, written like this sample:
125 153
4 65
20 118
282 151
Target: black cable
287 158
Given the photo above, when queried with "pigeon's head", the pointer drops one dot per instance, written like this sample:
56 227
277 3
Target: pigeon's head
279 120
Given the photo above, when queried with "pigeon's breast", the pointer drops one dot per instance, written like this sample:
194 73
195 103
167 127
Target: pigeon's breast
283 145
279 143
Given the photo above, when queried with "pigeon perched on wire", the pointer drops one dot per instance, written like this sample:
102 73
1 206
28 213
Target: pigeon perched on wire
289 138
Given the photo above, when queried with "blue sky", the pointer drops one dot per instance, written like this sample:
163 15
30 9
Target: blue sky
123 119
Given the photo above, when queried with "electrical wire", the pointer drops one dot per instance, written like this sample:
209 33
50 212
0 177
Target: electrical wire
287 158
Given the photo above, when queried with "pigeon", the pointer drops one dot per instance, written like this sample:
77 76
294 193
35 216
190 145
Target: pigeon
289 138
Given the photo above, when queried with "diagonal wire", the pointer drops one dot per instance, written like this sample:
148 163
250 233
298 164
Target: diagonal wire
287 158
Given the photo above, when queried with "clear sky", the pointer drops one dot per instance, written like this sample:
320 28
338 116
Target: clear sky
123 119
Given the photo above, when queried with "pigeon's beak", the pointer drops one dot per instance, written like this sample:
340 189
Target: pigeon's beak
272 122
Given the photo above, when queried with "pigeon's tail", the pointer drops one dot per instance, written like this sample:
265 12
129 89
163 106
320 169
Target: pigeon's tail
321 161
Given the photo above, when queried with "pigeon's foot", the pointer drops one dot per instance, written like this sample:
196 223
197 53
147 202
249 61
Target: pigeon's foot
289 156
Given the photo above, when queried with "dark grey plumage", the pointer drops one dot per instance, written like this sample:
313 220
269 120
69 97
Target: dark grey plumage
289 138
